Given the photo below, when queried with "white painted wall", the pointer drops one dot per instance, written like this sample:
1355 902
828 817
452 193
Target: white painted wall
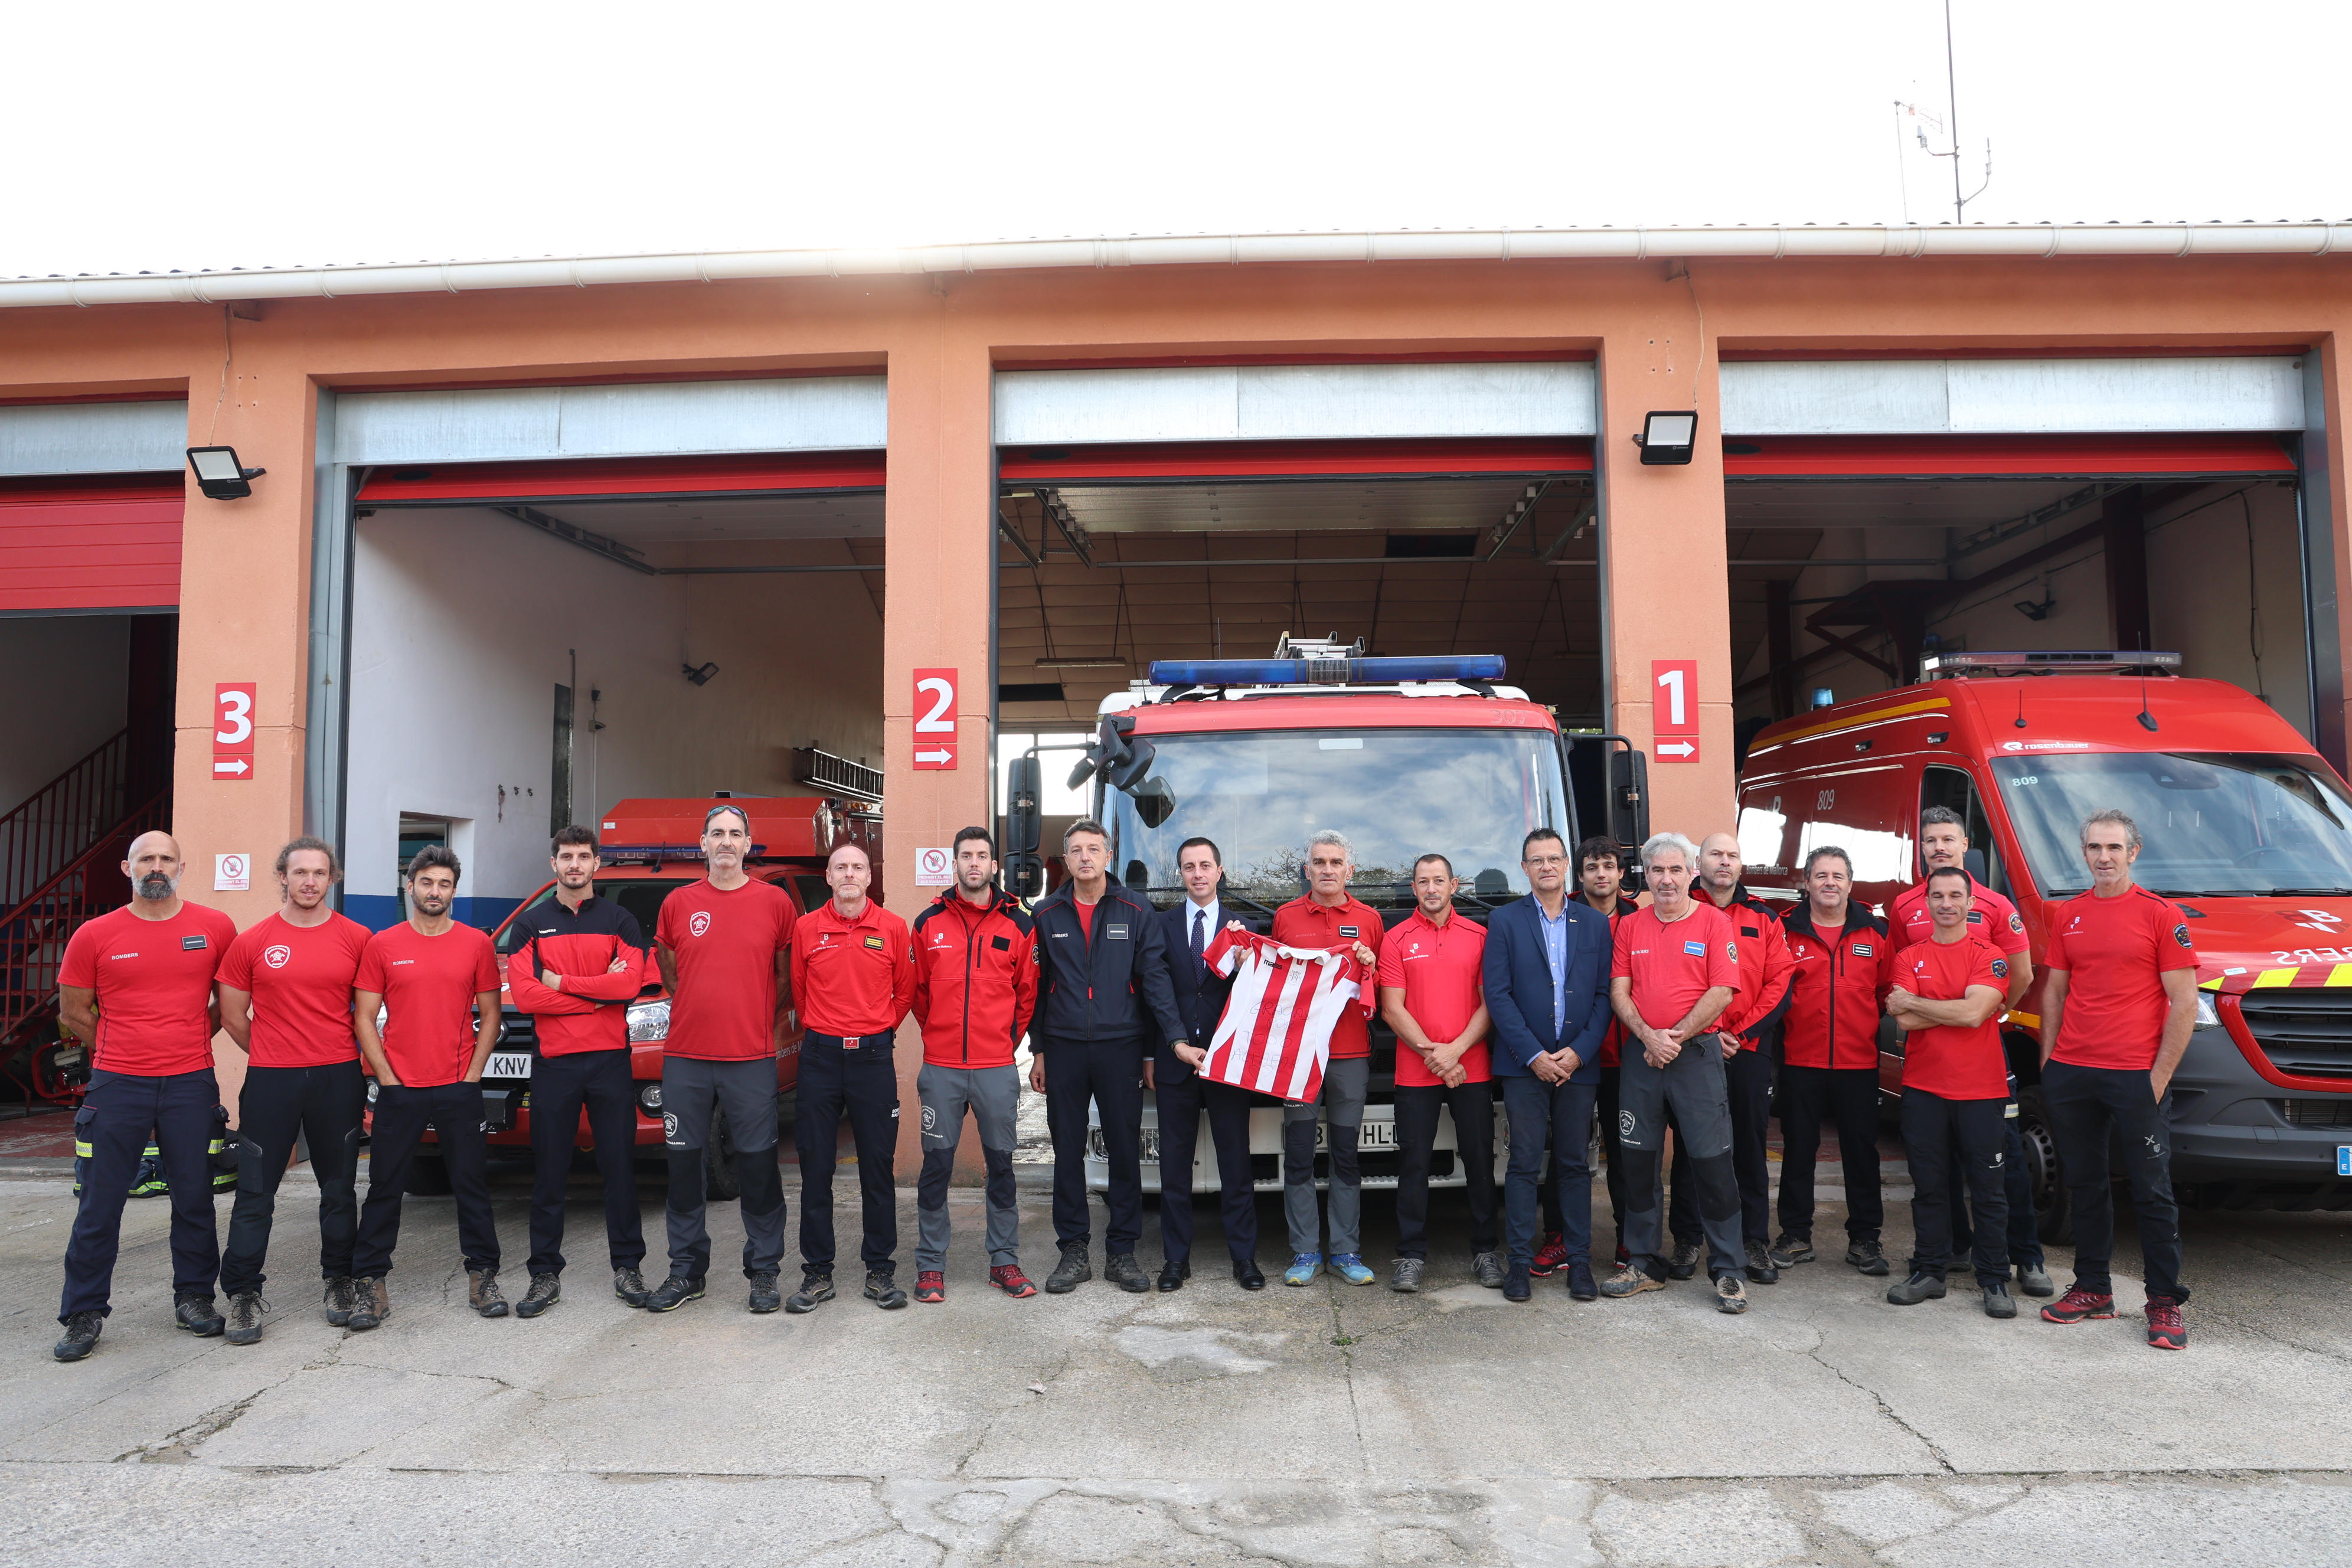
460 623
69 681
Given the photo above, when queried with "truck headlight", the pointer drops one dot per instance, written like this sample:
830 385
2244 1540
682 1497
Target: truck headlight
2208 1016
650 1098
649 1021
1148 1145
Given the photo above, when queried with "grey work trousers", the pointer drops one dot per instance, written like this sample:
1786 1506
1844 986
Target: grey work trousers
1692 1086
1341 1105
992 1095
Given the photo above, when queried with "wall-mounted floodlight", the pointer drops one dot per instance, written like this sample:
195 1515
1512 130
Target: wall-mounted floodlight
1668 436
219 475
700 674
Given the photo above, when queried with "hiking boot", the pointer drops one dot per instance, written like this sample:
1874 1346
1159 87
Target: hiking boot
882 1289
1997 1301
1730 1295
816 1290
1867 1257
546 1290
371 1302
1071 1272
2077 1304
1631 1281
1760 1266
2034 1281
81 1336
2166 1332
1488 1267
630 1287
932 1287
673 1293
198 1316
766 1296
1551 1253
1008 1277
482 1293
336 1300
1925 1285
1405 1278
245 1310
1684 1264
1790 1250
1122 1270
1517 1286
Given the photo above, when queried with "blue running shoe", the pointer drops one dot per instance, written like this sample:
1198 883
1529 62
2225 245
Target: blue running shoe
1351 1267
1303 1268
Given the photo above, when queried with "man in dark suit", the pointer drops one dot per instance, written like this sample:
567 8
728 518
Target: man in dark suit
1188 932
1547 986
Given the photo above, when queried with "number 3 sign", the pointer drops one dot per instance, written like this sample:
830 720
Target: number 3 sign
935 718
233 729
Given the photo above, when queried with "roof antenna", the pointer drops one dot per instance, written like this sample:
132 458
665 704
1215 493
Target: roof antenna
2147 719
2020 705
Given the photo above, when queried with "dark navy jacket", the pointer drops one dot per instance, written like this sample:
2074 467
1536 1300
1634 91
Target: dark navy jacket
1518 988
1107 987
1200 996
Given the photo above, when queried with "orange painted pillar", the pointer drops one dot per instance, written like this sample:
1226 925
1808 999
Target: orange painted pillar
245 609
1665 589
2331 469
940 547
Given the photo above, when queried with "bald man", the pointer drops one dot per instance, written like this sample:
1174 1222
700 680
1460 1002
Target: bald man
139 985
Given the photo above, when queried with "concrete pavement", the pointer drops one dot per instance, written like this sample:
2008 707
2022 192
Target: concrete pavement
1325 1425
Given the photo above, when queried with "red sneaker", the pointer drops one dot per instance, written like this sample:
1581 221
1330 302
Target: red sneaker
2166 1332
931 1286
1551 1256
1008 1277
2077 1304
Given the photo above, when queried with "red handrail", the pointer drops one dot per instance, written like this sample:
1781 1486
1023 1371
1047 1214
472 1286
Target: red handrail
56 823
33 933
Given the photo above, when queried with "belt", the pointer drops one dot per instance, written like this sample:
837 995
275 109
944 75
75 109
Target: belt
850 1042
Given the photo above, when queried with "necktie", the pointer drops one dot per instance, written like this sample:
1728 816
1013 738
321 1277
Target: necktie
1200 932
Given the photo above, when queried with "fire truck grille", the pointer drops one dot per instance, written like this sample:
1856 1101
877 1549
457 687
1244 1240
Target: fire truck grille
517 1031
2307 1032
2315 1113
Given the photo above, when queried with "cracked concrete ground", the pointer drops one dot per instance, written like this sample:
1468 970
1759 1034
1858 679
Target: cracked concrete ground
1297 1426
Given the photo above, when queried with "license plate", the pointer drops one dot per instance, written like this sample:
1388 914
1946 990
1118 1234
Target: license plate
1369 1135
2344 1159
508 1064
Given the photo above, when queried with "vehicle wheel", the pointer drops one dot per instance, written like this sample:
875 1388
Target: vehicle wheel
2051 1206
428 1176
719 1183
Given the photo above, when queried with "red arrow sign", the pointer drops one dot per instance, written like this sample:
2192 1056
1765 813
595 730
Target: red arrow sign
1677 751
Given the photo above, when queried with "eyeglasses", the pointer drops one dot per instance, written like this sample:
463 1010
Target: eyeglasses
1547 859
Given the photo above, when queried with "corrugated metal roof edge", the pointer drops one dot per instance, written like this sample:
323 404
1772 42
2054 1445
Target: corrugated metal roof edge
1900 241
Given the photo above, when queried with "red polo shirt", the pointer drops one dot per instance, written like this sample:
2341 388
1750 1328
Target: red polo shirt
1672 964
725 944
1440 969
853 978
428 985
155 985
299 978
1945 1059
1303 922
1991 917
2116 952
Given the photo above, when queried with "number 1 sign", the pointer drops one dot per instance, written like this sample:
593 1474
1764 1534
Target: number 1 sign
1674 708
935 718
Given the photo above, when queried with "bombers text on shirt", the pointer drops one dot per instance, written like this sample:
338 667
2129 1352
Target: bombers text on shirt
299 978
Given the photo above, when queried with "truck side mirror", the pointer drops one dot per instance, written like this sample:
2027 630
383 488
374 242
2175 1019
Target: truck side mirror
1629 796
1025 875
1023 820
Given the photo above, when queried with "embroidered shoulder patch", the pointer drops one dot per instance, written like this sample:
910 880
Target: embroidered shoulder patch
2181 935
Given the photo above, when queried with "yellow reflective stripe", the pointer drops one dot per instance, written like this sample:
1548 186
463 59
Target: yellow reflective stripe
81 1150
2340 975
2276 977
1856 721
2213 984
216 1146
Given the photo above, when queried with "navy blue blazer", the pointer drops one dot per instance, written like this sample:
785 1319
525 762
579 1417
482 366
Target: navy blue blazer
1519 991
1200 998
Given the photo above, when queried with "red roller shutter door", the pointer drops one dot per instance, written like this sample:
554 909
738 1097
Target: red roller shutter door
110 543
2005 456
611 478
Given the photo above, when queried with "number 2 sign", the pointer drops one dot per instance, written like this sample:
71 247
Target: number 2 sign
1674 708
233 729
935 718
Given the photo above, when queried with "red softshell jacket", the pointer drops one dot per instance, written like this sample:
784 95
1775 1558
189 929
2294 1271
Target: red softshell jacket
975 979
1838 990
591 1013
1764 970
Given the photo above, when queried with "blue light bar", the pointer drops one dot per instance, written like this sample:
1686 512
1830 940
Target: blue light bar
1323 671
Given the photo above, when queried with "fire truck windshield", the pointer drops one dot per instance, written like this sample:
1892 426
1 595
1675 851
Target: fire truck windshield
1468 794
2211 826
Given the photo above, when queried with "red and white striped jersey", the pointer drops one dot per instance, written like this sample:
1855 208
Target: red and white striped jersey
1276 1036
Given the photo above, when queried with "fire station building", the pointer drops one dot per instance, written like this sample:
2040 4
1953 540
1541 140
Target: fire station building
533 536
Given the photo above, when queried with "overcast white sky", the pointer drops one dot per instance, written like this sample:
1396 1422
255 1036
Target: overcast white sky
146 137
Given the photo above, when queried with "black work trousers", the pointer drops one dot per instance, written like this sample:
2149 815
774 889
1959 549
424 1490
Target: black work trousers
2085 1106
2024 1238
1747 1087
857 1079
323 1105
1472 1107
561 1088
118 1111
1846 1098
455 1113
1182 1105
1937 1132
1110 1074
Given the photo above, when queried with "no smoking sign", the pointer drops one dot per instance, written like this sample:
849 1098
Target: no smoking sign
934 869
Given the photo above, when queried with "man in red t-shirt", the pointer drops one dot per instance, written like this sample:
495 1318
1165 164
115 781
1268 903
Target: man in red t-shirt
1947 992
137 983
1431 993
1675 970
723 944
854 972
1325 916
437 983
2116 1011
286 1002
